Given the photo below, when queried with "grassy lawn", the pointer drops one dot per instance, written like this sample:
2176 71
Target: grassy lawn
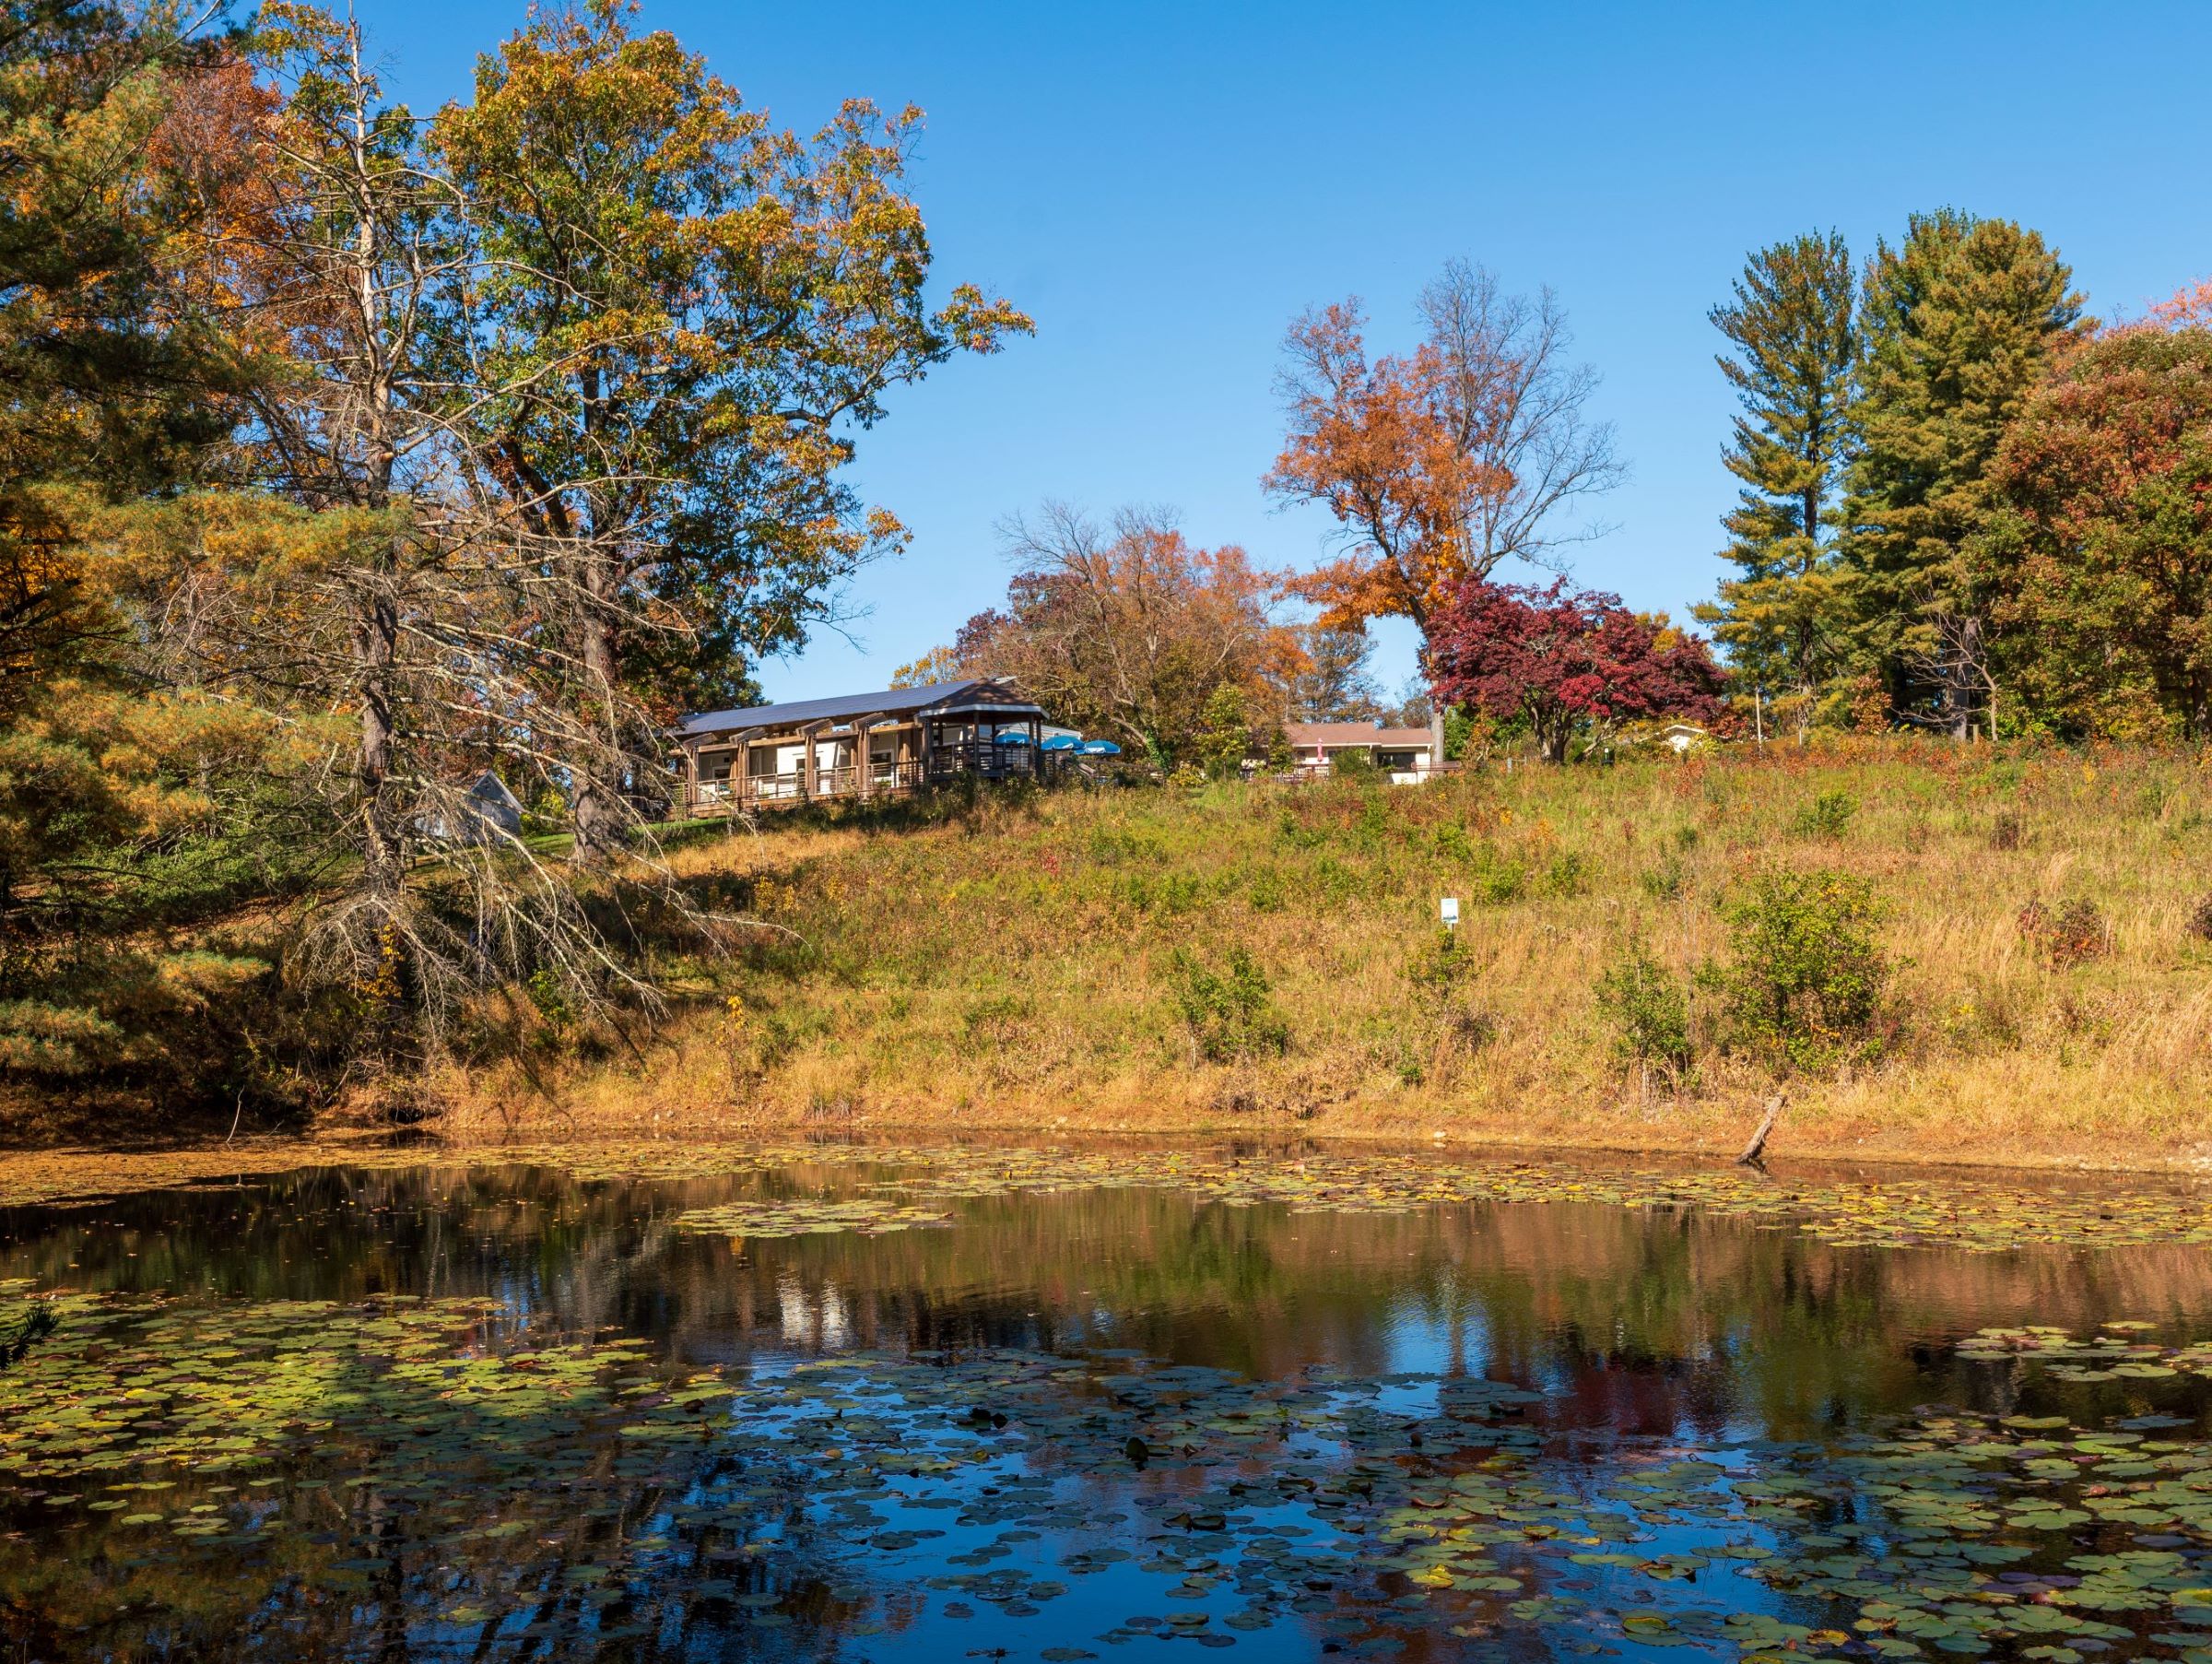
1267 956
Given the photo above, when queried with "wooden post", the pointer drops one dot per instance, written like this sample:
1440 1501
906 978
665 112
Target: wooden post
690 750
863 766
807 780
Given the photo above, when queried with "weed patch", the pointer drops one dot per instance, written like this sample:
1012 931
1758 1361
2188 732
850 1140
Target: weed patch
2067 933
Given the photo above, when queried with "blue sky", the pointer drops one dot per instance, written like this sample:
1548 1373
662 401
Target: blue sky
1163 186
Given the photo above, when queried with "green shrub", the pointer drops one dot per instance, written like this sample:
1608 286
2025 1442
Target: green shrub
1439 968
1663 882
1568 876
1439 972
1804 982
1353 765
1337 882
1227 1014
1371 832
1267 891
1827 816
1648 1009
1499 879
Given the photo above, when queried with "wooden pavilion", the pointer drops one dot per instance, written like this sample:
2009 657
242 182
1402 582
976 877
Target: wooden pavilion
857 745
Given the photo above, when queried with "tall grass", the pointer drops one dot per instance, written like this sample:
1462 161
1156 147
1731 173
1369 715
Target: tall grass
1017 962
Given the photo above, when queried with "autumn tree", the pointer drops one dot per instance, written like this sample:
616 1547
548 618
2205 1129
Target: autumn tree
1440 463
2103 553
1960 321
689 313
1128 628
939 665
350 581
1793 351
1331 682
1559 658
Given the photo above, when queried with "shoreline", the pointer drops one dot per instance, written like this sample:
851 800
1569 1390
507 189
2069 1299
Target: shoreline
78 1172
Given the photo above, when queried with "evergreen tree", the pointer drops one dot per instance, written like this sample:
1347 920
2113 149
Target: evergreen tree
1792 330
1959 323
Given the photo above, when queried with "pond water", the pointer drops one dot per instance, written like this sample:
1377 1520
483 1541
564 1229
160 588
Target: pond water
850 1410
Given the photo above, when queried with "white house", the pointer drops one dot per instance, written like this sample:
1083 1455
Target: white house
1405 754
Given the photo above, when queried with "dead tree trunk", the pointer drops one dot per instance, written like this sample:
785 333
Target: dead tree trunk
1755 1152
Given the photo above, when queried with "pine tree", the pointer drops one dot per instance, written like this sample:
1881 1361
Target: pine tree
1792 330
1959 323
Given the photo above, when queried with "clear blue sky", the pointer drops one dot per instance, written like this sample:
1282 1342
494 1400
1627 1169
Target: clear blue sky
1162 186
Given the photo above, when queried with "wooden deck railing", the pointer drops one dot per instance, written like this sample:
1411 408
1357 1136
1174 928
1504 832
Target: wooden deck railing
743 792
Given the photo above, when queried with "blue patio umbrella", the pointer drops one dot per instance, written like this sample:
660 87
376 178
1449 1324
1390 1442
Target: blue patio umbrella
1060 742
1100 747
1014 739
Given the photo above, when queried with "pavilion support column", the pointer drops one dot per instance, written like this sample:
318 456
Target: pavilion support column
690 778
738 786
863 762
808 777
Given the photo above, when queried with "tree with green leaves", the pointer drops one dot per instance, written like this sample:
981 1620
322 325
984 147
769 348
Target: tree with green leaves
1791 330
1959 323
1225 731
688 313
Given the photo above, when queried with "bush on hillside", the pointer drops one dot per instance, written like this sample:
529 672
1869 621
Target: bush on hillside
2200 919
1828 815
1647 1007
1803 984
2068 932
1229 1013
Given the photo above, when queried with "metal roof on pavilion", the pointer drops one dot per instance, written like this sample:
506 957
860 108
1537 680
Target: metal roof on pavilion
976 694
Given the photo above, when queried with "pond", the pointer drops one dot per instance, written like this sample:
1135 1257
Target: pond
859 1404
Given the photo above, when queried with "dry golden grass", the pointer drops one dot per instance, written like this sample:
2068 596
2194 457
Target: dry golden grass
1008 968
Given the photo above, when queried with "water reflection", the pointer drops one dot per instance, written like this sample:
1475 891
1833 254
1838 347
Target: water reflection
1651 1336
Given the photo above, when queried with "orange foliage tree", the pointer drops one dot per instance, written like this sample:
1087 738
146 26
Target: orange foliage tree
1440 463
1129 628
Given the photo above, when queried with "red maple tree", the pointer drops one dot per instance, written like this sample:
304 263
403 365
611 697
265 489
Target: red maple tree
1561 658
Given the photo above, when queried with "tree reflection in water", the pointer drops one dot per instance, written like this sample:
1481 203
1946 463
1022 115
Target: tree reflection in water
1094 1413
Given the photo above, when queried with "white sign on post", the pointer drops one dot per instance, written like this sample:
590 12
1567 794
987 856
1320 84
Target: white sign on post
1449 909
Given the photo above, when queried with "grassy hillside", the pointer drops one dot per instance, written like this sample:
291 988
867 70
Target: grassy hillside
1267 956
